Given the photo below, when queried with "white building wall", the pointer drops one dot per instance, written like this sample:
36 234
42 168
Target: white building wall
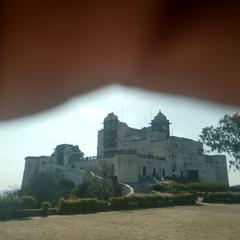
126 168
76 175
221 168
181 155
32 167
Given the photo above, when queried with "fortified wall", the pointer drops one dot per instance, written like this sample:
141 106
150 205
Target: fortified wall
135 154
178 157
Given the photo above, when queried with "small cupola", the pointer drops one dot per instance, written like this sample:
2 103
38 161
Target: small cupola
111 116
160 123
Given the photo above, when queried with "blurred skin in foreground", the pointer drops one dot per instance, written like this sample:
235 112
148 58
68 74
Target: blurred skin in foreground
53 50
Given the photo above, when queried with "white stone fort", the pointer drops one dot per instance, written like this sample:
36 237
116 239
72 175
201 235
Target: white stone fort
135 154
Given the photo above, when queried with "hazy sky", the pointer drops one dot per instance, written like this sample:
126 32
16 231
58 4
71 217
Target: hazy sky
78 120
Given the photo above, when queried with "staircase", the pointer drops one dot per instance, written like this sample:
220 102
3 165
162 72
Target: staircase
142 186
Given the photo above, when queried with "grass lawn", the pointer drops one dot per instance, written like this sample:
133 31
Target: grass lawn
215 222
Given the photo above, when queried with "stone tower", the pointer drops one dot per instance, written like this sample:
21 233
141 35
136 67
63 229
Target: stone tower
160 124
110 132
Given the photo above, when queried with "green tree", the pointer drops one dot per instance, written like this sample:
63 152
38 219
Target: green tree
43 187
104 169
100 188
81 191
225 138
65 186
27 202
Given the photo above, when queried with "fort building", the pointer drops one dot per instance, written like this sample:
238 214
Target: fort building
136 154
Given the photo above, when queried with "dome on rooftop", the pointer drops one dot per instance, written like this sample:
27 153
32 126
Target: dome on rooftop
111 116
160 117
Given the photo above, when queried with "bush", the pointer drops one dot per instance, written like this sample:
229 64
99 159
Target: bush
14 207
176 187
146 201
27 202
45 206
101 189
192 187
43 187
159 187
207 187
222 198
23 213
235 188
84 205
8 207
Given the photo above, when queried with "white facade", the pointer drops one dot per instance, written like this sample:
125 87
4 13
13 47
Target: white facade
135 154
62 162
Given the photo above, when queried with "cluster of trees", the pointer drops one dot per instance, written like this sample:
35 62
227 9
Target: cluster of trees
101 189
45 187
225 138
49 186
174 187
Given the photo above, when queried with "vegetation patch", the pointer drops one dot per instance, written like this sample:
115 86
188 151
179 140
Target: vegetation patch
9 208
85 205
222 198
150 201
235 188
194 187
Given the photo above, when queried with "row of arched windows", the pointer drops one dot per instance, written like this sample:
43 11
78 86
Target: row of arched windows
144 172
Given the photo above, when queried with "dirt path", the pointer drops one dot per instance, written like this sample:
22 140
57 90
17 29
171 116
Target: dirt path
215 222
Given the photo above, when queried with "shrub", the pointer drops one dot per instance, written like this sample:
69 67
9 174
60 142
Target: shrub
176 187
27 202
84 205
222 198
8 207
101 189
28 213
146 201
45 206
207 187
43 187
194 187
159 187
235 188
14 207
65 186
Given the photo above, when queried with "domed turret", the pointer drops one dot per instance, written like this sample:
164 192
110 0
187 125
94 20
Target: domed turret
160 117
110 116
161 124
110 131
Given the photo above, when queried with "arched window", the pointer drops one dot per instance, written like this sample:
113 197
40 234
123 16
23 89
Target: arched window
154 172
163 172
144 171
113 171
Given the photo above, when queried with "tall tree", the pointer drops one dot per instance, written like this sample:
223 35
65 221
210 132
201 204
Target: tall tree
225 138
65 186
104 169
43 187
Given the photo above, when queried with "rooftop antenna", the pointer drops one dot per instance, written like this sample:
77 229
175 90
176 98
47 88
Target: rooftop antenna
145 120
122 113
118 111
113 108
142 120
138 121
172 132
